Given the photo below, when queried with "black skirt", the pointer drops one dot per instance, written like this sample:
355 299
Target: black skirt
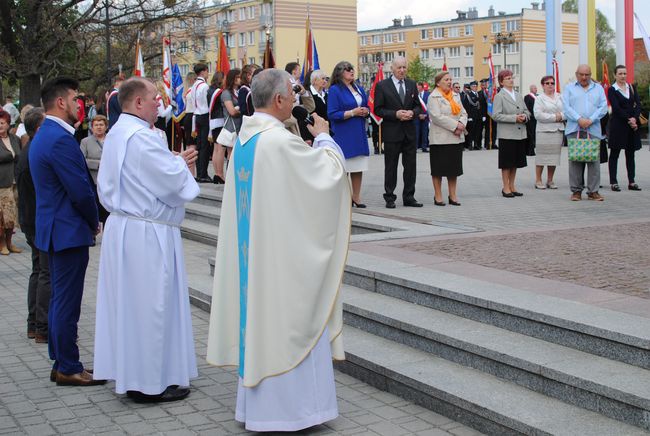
512 153
446 160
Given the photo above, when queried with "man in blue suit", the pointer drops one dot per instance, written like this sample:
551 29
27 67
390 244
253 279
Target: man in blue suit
66 221
422 121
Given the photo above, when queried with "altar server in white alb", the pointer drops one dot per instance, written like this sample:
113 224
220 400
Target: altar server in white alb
283 241
143 334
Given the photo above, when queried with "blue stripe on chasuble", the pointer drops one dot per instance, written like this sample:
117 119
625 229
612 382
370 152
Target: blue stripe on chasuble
243 161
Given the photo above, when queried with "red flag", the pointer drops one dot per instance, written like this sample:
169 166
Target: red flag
269 60
556 75
223 64
371 99
444 63
605 80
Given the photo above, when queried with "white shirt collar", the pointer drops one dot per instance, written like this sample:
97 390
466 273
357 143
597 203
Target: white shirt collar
315 92
62 123
513 94
396 82
618 88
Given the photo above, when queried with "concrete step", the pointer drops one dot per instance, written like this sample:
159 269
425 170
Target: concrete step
477 399
208 214
614 389
210 195
606 333
200 232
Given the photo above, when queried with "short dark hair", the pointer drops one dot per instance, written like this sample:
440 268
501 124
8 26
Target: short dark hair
199 68
503 74
4 115
217 79
55 88
545 78
618 67
291 66
33 120
131 87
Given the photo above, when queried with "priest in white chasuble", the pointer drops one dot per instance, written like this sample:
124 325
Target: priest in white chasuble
143 334
283 241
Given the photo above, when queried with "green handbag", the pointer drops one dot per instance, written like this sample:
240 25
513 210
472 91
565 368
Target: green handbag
584 149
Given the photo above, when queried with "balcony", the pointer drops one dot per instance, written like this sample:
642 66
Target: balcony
266 19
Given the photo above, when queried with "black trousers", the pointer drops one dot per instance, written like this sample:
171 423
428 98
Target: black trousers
392 150
38 289
186 122
202 145
629 164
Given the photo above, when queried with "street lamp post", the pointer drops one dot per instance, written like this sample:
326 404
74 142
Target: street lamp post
504 39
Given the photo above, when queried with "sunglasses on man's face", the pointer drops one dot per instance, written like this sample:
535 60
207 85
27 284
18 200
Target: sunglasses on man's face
549 83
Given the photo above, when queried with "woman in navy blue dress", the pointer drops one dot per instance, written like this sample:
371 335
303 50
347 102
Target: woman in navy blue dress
347 109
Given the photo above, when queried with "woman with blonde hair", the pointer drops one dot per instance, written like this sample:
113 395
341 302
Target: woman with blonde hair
446 137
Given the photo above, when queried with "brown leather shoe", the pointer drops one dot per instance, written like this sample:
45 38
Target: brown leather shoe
54 372
31 333
576 196
595 196
40 338
84 378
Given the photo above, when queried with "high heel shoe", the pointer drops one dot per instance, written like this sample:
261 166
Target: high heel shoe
439 203
358 205
452 202
507 194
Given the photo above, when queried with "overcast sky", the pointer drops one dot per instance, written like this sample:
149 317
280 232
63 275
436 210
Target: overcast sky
375 14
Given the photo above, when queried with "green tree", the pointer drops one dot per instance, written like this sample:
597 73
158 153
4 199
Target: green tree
420 71
40 39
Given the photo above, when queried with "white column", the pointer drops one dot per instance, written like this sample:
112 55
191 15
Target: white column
583 33
619 31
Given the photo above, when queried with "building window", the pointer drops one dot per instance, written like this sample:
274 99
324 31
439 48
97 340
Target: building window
454 52
484 38
376 39
454 32
231 40
233 63
242 39
185 68
469 30
400 37
514 68
251 60
424 34
469 71
455 72
512 48
251 38
438 53
242 14
424 54
362 40
438 32
469 50
388 37
251 13
496 48
230 16
182 47
266 9
512 25
401 54
363 59
496 27
390 56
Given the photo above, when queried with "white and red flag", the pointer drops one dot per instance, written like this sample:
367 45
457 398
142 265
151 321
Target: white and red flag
556 75
167 68
371 98
139 62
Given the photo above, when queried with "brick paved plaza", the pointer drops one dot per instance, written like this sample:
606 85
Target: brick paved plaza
586 246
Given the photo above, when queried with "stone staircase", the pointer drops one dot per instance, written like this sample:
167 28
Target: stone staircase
501 360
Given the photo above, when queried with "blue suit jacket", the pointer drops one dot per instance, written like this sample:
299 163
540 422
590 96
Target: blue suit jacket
66 209
349 134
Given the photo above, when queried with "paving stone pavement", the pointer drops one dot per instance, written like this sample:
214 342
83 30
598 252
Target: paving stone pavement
613 258
30 404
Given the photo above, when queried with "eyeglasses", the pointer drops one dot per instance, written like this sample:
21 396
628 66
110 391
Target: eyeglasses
348 69
549 83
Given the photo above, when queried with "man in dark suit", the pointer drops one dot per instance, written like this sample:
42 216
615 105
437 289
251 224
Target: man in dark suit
489 125
66 221
422 122
531 125
473 108
113 108
396 101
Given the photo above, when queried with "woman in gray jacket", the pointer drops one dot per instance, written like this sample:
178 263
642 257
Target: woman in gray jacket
446 137
511 114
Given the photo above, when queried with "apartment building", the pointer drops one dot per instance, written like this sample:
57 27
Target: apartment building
465 42
247 24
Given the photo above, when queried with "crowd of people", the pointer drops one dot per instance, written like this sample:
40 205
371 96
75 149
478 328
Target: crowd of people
72 169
